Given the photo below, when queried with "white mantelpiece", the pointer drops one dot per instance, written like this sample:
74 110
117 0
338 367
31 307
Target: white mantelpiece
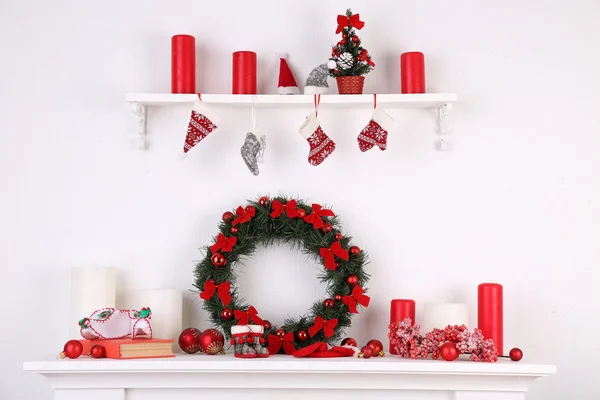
283 377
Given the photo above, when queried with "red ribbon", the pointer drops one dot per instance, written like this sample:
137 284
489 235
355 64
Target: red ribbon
243 215
244 317
222 289
357 297
344 21
315 217
326 325
329 254
275 343
224 244
290 209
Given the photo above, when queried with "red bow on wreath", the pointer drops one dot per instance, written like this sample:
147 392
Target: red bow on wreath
275 343
222 290
357 296
290 209
315 217
329 254
326 325
224 244
244 215
244 317
344 21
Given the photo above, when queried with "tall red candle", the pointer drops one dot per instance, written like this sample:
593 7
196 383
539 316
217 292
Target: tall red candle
490 313
183 64
412 72
244 73
399 310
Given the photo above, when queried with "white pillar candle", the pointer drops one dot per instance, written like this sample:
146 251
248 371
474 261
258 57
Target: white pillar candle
166 306
92 288
440 315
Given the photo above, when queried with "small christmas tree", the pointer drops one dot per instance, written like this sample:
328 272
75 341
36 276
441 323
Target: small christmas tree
348 57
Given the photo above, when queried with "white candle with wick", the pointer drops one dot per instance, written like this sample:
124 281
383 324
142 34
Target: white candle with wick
440 315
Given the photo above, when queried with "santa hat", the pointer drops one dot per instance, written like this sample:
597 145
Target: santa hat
287 83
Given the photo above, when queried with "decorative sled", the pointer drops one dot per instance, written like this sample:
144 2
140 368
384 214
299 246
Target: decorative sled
110 323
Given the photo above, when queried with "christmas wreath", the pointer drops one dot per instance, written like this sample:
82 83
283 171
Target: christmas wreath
313 229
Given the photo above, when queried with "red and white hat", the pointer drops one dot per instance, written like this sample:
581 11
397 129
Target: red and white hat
287 83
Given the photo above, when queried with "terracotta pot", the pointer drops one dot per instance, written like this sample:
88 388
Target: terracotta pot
350 84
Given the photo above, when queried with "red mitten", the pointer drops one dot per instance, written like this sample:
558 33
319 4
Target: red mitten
321 146
376 131
202 122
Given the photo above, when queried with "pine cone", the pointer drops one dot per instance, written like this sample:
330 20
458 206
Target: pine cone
345 61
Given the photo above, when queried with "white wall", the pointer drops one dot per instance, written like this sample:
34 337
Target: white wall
516 201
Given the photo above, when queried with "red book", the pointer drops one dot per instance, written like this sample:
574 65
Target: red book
129 348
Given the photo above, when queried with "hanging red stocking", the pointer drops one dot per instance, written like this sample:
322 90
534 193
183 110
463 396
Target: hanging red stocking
203 121
321 146
376 131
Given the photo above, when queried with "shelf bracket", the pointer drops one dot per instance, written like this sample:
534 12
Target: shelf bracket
140 112
444 113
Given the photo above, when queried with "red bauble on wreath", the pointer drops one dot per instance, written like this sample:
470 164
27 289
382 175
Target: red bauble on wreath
307 226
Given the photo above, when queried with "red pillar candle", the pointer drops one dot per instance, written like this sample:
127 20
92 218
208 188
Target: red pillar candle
183 64
412 72
244 72
399 310
490 313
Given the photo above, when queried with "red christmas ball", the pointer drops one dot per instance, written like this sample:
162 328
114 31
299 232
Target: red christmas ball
263 201
266 324
338 236
218 260
188 340
249 208
377 347
97 351
338 297
352 280
302 335
327 227
354 250
328 303
72 349
355 39
226 314
234 229
280 333
301 213
365 352
516 354
211 341
349 342
227 216
448 351
344 35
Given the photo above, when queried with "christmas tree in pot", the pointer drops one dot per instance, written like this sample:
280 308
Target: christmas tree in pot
349 61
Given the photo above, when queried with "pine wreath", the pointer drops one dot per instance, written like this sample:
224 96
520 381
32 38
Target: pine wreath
313 229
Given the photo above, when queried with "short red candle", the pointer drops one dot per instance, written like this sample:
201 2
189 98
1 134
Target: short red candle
244 72
490 313
412 72
183 64
399 310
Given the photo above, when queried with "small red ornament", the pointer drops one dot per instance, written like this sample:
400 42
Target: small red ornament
226 314
344 35
97 351
227 216
365 352
349 342
448 351
280 333
234 229
516 354
263 201
338 236
211 342
328 303
218 260
301 213
338 297
354 250
327 227
249 208
343 41
355 39
352 280
188 340
72 349
377 347
266 324
335 71
302 335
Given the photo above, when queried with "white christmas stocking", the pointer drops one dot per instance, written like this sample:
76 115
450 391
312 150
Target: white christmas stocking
376 131
321 146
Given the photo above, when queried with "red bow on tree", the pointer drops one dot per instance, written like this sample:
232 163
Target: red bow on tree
315 217
224 244
290 209
244 215
329 254
357 296
244 317
222 289
275 343
344 21
326 325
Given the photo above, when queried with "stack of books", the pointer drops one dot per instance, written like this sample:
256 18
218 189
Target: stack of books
129 348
